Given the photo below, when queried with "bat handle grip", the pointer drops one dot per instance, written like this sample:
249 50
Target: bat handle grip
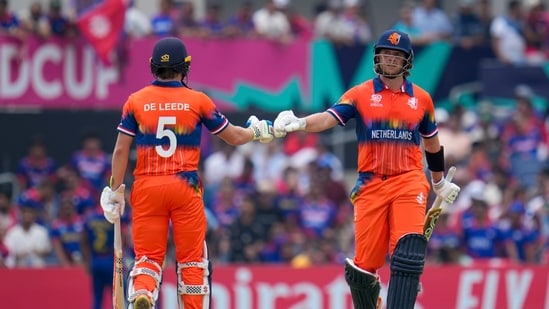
117 236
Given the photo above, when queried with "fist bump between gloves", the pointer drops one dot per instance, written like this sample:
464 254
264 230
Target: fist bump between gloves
286 122
113 203
262 129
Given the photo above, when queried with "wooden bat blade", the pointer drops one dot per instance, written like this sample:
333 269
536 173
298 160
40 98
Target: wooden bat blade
118 270
434 212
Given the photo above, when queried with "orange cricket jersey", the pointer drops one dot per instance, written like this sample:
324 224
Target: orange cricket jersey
166 120
389 125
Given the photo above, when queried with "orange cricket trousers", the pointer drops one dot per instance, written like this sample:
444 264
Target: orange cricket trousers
157 200
385 209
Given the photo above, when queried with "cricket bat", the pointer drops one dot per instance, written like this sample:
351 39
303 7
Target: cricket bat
118 270
434 213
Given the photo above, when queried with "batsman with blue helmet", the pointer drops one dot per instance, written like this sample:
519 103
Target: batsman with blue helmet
396 129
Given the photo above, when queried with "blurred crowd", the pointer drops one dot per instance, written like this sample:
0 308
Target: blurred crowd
288 201
519 35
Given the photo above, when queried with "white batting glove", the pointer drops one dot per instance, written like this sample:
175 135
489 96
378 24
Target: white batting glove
447 191
262 129
113 202
287 122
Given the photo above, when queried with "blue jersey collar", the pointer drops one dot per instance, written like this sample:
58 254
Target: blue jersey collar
406 86
168 84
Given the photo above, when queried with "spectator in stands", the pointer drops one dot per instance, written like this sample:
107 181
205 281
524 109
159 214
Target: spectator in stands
8 216
269 160
356 29
246 234
479 165
522 238
537 210
4 252
468 27
289 197
479 234
28 242
294 143
432 21
334 190
266 212
525 140
272 23
164 23
65 233
241 24
406 24
212 26
7 220
78 7
34 21
137 24
91 162
328 22
60 25
317 212
42 199
76 189
227 161
9 22
300 26
486 18
187 24
506 32
36 166
457 142
326 156
536 32
226 203
246 182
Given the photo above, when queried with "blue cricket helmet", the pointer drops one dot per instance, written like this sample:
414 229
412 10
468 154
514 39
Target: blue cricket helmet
394 40
170 53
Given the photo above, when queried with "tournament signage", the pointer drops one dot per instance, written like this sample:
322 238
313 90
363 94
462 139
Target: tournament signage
284 287
304 75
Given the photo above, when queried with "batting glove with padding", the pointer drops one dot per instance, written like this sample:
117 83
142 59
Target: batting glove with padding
287 122
113 202
262 129
446 190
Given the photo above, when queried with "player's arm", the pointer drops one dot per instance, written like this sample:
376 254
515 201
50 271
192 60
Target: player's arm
319 122
286 121
261 130
120 158
236 135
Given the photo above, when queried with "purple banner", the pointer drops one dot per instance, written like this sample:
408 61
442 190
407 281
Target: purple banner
68 74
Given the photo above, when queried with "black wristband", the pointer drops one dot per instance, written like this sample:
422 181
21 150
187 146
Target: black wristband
435 161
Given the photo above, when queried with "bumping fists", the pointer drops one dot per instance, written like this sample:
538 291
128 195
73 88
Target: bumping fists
287 122
265 131
262 129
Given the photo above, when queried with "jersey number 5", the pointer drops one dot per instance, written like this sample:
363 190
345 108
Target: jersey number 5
161 132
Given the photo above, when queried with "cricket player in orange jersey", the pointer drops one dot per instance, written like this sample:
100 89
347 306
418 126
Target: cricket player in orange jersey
165 120
394 118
